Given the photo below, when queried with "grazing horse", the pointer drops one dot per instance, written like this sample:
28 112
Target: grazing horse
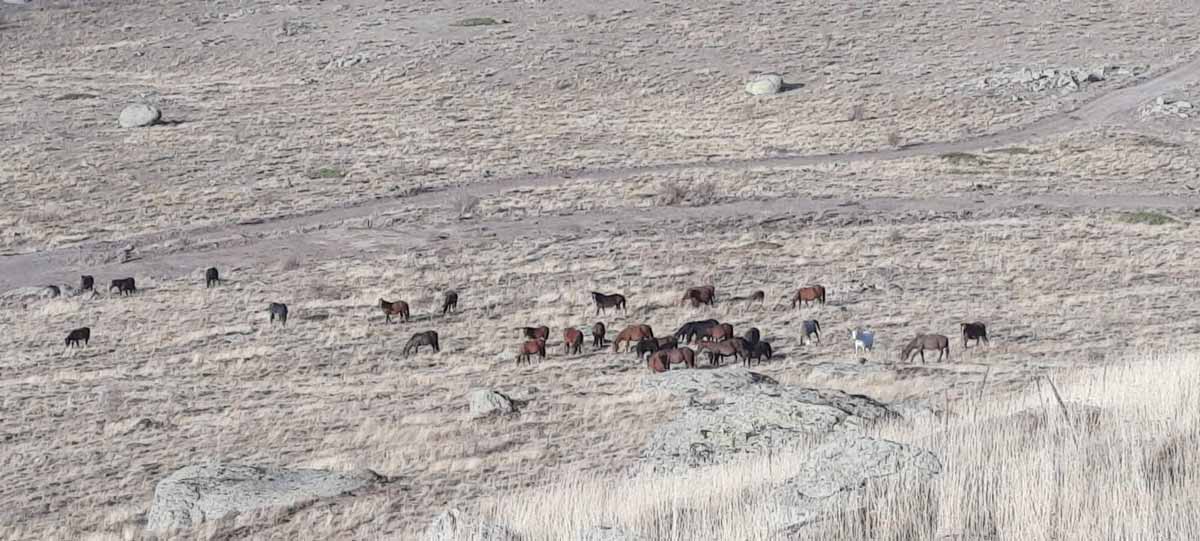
211 277
124 286
54 291
598 332
863 340
668 342
683 355
976 331
759 350
87 283
717 333
450 302
398 308
572 341
922 342
632 333
646 345
693 329
534 333
735 347
758 296
82 333
531 347
423 338
752 336
603 301
278 309
808 294
657 363
811 328
700 295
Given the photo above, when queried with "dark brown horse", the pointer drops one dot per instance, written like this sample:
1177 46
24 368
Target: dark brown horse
720 332
808 294
536 346
632 333
689 331
124 286
572 340
734 347
598 332
922 342
278 310
759 351
646 345
81 334
684 355
811 327
534 333
603 301
449 302
211 277
424 338
700 295
87 283
752 336
398 308
976 331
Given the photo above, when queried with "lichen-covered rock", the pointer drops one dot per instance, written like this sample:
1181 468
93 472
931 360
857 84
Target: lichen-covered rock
139 115
765 85
484 403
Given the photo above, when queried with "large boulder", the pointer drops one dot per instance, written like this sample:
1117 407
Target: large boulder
764 85
454 524
485 403
205 492
139 115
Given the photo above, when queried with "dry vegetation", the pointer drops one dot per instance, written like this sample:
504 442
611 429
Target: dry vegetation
1076 249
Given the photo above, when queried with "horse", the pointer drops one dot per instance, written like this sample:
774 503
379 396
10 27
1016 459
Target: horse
632 333
976 331
692 329
450 302
657 364
735 347
531 347
124 286
811 327
87 283
759 351
863 340
397 308
683 355
598 331
82 333
278 309
423 338
717 333
572 341
668 342
534 333
646 345
211 277
922 342
603 301
808 294
752 336
700 295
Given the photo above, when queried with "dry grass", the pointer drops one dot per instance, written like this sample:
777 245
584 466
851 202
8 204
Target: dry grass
1016 466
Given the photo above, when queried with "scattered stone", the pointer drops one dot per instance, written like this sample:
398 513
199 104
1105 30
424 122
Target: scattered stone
199 493
485 403
1167 106
139 115
454 524
1065 80
765 85
349 61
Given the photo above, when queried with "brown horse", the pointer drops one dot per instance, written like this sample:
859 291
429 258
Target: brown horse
572 341
683 355
632 333
808 294
398 308
535 333
449 302
535 346
657 364
976 331
734 347
700 295
603 301
922 342
598 331
720 332
425 338
693 329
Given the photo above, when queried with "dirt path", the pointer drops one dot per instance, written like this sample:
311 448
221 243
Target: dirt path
310 235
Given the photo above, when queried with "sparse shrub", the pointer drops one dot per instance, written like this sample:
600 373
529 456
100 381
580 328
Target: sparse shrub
476 21
705 193
893 139
670 193
1144 217
326 173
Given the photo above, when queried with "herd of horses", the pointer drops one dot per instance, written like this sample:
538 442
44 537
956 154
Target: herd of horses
710 336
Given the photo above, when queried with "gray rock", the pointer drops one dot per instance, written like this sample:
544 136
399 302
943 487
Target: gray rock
607 533
684 382
454 524
25 294
17 2
139 115
484 402
205 492
765 84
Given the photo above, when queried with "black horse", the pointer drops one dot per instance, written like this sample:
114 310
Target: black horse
212 277
426 338
603 301
450 302
693 329
87 283
75 336
278 310
124 286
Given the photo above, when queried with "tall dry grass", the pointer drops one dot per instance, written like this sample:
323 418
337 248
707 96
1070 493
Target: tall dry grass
1102 453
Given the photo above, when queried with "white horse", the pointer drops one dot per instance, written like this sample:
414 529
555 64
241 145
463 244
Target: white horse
863 340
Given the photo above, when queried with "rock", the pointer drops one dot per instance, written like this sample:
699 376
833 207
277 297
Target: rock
1182 105
454 524
25 294
17 2
139 115
765 85
484 403
607 533
206 492
1161 100
705 381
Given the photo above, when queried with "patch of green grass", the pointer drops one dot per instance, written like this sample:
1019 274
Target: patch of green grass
964 159
326 172
1145 217
476 21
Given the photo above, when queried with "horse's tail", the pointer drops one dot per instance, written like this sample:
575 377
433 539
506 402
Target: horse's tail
822 295
817 326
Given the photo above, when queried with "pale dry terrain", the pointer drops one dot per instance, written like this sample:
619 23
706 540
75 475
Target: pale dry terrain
571 149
